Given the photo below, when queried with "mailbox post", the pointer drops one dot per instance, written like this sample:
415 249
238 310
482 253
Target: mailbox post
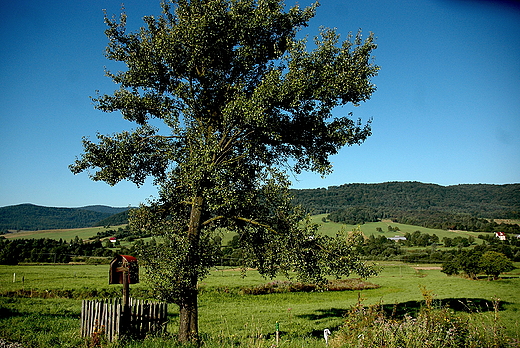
124 270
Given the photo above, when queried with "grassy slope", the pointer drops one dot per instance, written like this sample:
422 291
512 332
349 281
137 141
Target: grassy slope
328 228
65 234
331 228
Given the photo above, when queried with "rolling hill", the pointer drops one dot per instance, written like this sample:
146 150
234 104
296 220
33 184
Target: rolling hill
478 200
35 217
410 202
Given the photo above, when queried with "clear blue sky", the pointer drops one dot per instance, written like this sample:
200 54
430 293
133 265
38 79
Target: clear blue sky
447 108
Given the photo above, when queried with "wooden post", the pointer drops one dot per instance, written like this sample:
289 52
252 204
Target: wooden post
126 289
125 322
277 333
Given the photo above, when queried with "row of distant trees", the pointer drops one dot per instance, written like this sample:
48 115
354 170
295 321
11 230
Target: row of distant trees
373 247
122 233
379 247
474 262
428 248
47 250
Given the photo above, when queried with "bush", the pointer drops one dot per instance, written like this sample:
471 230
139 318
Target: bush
98 260
432 327
473 262
288 286
493 263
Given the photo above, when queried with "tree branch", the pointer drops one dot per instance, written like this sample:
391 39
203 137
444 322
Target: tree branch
253 222
207 222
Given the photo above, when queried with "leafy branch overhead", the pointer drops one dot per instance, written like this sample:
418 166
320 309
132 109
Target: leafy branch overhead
240 98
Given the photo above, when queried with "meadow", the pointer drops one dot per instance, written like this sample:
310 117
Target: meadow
40 305
327 228
64 234
370 228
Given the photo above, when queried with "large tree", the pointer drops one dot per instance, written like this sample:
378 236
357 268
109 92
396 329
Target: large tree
493 263
241 99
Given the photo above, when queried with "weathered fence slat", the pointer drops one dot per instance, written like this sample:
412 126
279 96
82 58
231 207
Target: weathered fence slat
105 317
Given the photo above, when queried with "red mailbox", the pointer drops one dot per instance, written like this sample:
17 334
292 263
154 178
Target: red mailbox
124 264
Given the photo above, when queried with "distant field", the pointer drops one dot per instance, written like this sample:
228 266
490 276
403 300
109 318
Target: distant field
331 228
65 234
328 228
508 221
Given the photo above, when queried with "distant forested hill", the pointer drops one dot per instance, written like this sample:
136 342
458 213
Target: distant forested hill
476 200
104 209
429 205
34 217
114 220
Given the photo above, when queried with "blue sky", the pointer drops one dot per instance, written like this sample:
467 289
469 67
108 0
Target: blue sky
447 108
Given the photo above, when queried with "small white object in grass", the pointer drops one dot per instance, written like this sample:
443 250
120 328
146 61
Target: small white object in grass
326 334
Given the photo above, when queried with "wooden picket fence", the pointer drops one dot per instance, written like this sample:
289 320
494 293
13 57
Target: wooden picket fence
105 317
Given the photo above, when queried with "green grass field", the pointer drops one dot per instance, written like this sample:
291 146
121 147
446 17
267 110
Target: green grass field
229 318
40 305
370 228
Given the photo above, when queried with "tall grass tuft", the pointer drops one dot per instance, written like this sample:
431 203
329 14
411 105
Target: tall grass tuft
432 327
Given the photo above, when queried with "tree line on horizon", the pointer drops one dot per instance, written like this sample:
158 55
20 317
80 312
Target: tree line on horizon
477 200
469 207
359 215
30 217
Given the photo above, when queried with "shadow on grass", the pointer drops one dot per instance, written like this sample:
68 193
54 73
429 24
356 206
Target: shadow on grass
467 305
325 313
412 308
8 312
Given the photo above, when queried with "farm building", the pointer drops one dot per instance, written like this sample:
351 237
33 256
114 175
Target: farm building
500 235
397 238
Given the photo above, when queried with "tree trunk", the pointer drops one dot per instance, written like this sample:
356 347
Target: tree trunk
188 314
188 320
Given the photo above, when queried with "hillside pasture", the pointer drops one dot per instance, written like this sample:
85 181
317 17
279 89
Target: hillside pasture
329 228
64 234
370 228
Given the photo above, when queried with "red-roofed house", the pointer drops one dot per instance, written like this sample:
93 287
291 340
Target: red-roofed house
500 235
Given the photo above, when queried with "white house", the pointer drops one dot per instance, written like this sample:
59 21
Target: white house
397 238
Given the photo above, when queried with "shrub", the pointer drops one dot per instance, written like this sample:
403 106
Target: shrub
278 286
432 327
493 263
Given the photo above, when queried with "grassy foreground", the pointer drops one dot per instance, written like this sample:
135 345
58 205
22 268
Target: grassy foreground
230 319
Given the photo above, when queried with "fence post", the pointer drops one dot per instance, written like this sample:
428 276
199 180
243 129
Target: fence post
126 319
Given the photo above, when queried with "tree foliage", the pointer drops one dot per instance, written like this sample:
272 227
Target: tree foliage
48 250
493 263
475 201
479 260
33 217
240 98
